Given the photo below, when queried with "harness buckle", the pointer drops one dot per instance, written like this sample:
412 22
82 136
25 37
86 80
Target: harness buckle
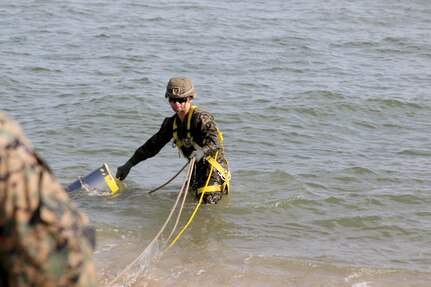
187 142
225 175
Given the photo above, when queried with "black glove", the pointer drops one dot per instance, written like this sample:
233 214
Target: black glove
124 170
197 154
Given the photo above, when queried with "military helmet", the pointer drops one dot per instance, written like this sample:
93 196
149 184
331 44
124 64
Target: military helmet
180 87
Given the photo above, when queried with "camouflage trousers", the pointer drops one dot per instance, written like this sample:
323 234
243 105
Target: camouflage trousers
200 178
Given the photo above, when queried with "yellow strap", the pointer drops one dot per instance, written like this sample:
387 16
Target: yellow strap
226 184
225 174
189 124
175 134
215 188
193 214
210 188
220 134
189 121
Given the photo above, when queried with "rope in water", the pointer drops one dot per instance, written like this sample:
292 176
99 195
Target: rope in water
179 212
193 214
183 190
163 185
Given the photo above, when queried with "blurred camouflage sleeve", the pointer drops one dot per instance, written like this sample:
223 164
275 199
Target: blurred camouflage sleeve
42 241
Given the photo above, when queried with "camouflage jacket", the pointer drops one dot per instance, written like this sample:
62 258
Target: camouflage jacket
203 132
42 240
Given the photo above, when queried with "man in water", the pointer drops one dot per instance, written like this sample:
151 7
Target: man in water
44 239
196 135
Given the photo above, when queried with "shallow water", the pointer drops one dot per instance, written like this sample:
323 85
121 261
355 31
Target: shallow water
325 111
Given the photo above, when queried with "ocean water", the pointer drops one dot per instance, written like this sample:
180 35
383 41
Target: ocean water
325 111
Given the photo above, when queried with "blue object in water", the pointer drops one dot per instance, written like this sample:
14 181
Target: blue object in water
100 179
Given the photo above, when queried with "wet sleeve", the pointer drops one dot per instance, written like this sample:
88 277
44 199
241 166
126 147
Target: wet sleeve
154 144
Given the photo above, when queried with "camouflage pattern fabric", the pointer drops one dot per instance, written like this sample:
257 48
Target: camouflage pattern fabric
180 87
204 133
42 233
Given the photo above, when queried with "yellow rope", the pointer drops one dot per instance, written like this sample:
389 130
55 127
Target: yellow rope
194 212
185 183
182 204
187 180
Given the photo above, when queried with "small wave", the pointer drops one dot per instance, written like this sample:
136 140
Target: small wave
415 152
41 69
406 199
362 170
279 174
396 103
365 124
276 203
322 94
355 44
358 221
349 174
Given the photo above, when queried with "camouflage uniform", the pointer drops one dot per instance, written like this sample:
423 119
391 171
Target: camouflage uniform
204 133
43 238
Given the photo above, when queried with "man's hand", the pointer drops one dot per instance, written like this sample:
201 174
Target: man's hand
124 170
197 154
